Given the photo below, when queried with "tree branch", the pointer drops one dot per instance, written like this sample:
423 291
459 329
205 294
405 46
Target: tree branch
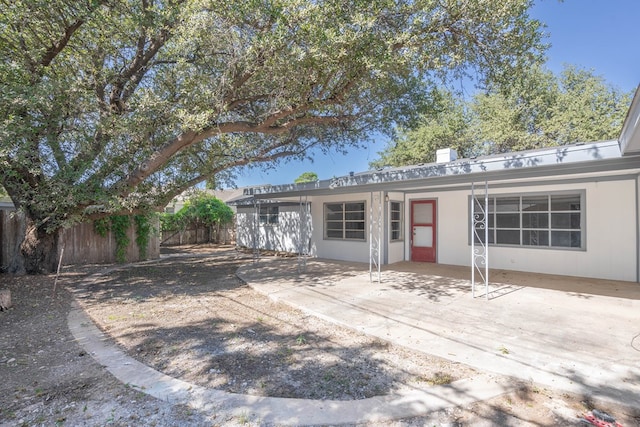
188 138
60 44
127 82
261 157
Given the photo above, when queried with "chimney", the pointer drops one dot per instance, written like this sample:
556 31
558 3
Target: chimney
446 155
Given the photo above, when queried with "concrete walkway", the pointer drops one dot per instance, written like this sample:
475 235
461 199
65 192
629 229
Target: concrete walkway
576 335
573 334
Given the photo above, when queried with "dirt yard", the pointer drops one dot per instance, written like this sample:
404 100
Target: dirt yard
190 317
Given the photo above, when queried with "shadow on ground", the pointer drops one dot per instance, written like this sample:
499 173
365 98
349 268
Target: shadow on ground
192 318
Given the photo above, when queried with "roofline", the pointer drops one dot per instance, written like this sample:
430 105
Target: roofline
630 134
561 160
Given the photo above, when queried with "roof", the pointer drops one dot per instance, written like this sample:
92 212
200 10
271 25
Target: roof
630 135
555 161
6 203
250 200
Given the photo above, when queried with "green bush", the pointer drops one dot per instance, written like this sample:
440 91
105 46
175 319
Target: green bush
201 209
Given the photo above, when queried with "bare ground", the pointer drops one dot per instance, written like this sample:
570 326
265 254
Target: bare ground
191 318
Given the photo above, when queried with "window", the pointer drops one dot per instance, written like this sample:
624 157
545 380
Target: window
396 221
552 220
344 221
268 214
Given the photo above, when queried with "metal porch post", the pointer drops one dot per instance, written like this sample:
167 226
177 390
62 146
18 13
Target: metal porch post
480 254
375 235
303 248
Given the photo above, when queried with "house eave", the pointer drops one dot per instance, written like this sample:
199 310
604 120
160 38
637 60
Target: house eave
557 161
630 135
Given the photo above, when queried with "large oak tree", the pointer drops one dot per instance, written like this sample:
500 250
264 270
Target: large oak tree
116 106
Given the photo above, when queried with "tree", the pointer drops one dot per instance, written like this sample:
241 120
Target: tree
206 210
306 177
515 119
540 109
201 209
445 124
587 108
114 107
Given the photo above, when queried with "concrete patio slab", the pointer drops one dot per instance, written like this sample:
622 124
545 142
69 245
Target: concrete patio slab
578 335
573 334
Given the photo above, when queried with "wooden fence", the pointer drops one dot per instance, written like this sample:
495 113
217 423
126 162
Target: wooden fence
82 245
193 235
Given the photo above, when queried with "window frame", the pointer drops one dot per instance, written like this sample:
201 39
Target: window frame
344 229
268 214
546 230
399 221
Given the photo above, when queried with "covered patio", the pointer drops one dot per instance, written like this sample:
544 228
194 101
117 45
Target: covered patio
574 334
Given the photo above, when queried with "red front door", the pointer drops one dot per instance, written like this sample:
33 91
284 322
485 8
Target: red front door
423 230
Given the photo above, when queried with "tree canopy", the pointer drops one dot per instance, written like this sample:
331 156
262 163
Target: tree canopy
113 107
306 177
539 109
200 209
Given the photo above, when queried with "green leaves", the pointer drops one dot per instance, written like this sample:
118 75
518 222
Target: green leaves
545 110
116 107
445 123
537 110
200 208
306 177
587 108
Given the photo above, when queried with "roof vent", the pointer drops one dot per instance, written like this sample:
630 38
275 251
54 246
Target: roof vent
446 155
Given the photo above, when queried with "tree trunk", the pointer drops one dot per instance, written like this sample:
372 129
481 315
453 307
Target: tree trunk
14 235
39 250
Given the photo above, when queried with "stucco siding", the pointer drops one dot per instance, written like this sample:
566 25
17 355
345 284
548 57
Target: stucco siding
608 213
283 236
396 249
396 252
343 250
609 237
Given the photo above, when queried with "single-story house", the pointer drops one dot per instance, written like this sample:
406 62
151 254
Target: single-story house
569 210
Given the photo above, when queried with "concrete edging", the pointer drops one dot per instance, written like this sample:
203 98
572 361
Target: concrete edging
288 411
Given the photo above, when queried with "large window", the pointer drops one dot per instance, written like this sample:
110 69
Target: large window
269 214
344 221
548 220
396 221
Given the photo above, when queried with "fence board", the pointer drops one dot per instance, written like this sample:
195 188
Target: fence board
194 236
82 245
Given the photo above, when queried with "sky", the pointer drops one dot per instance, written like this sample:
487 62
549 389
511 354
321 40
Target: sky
598 35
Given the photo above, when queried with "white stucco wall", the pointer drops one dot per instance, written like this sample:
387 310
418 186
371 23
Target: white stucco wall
344 250
396 250
358 251
283 236
610 235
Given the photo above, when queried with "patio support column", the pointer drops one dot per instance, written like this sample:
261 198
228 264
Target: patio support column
256 231
480 240
375 233
638 228
304 238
